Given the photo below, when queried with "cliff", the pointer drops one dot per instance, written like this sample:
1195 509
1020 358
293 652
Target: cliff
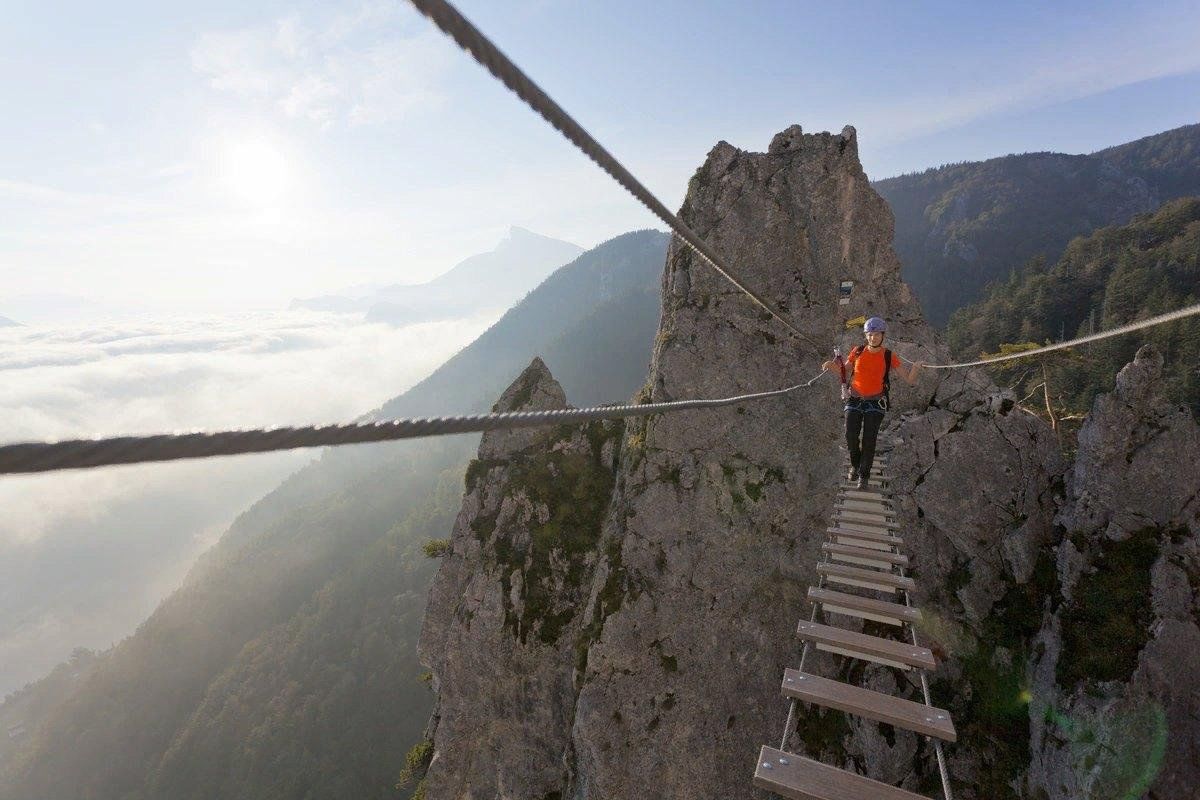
590 648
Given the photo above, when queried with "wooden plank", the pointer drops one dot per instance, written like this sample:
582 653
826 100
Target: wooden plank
882 476
875 483
867 557
873 517
865 521
862 527
884 454
877 467
891 559
862 646
871 539
799 778
916 717
876 521
865 506
863 532
882 547
865 495
864 607
854 496
866 578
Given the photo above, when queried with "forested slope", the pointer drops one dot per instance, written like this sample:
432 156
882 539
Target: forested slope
1117 275
962 226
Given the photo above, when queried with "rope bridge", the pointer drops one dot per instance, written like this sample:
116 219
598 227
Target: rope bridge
862 551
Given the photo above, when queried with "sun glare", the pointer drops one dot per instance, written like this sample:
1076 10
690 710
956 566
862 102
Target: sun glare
255 173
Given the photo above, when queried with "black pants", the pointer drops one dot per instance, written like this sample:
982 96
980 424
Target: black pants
867 423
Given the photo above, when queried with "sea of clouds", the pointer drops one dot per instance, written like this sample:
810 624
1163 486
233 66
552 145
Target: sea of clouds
85 556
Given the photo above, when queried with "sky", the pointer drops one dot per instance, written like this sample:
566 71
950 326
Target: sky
201 157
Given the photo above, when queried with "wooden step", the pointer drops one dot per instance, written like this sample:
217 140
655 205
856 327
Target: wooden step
874 541
868 557
799 778
863 532
870 517
854 496
916 717
865 578
868 648
868 522
862 527
874 484
864 607
857 494
866 506
876 463
879 454
876 475
877 467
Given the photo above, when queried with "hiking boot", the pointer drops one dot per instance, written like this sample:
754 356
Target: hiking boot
853 476
863 482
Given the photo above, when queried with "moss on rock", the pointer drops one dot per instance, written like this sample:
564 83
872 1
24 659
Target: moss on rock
571 488
1107 621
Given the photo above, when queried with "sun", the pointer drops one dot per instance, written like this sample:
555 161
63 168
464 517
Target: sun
255 173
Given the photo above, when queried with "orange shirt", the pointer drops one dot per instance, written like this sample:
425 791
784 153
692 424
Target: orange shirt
868 371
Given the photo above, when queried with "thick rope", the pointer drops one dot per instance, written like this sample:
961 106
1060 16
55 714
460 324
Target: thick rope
85 453
1094 337
472 40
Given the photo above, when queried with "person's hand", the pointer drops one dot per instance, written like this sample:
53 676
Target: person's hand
918 365
828 365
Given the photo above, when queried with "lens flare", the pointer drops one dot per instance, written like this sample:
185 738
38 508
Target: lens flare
1116 752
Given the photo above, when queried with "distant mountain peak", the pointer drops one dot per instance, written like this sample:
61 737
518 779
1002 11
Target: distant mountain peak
523 236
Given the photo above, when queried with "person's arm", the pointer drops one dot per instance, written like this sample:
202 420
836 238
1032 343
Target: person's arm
847 365
910 377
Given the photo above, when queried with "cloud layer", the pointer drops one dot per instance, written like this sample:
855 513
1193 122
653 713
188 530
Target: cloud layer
85 556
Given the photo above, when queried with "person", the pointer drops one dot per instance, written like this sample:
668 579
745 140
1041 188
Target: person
867 398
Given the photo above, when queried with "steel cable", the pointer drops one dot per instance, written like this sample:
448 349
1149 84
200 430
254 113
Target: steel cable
27 457
1093 337
472 40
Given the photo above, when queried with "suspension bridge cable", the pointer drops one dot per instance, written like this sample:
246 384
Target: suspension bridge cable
28 457
472 40
1093 337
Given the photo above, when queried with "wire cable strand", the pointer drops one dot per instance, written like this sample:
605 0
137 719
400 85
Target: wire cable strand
473 41
28 457
1093 337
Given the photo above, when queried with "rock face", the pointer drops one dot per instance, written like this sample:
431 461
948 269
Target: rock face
1115 711
508 605
634 644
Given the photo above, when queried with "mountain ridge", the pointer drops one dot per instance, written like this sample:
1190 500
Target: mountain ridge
962 226
491 280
